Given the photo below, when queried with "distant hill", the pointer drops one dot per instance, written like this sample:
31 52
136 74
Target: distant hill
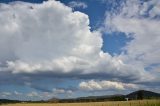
55 100
143 94
8 101
117 97
90 99
137 95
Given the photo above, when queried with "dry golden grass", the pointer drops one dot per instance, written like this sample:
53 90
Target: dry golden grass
117 103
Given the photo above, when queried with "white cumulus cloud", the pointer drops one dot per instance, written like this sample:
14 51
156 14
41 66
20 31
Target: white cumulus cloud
140 22
48 36
105 85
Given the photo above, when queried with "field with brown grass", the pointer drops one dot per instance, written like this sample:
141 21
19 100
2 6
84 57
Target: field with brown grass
112 103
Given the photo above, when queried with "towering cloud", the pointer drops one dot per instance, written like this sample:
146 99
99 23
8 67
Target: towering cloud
50 37
46 36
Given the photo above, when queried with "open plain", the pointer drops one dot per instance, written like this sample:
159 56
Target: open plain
109 103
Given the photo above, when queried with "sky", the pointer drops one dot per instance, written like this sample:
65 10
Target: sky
74 48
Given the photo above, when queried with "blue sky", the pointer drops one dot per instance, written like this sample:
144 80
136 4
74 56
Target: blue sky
68 48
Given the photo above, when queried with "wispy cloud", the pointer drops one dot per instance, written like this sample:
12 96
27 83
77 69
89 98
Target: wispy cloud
77 4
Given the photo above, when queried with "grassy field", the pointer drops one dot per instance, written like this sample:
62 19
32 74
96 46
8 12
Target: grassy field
117 103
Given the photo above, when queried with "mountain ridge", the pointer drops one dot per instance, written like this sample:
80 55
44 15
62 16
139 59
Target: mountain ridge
137 95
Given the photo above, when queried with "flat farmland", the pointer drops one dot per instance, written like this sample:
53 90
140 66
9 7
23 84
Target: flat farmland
113 103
